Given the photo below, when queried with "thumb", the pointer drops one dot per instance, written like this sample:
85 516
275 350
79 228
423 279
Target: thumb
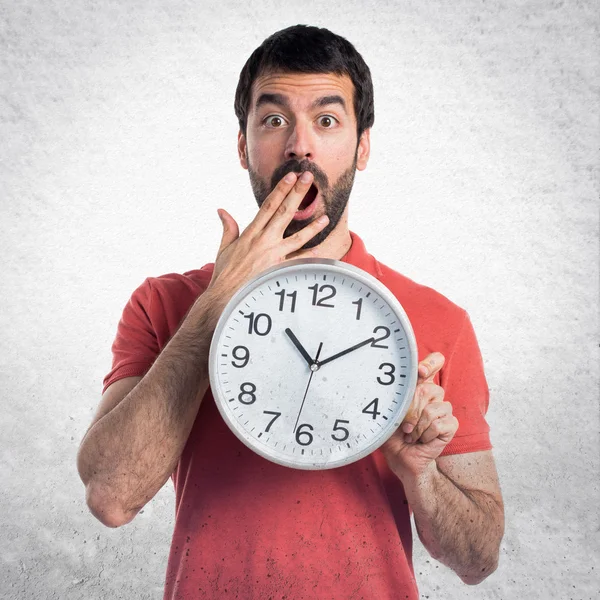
231 231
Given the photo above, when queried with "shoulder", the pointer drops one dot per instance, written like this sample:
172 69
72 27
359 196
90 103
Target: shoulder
174 285
422 301
164 300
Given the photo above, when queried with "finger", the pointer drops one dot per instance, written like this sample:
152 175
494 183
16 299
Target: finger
294 243
231 231
429 366
425 393
283 215
272 203
436 409
443 429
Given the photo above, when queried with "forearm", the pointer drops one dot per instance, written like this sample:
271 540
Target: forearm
127 456
461 528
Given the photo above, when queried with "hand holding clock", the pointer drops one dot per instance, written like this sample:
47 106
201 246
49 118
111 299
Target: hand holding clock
428 426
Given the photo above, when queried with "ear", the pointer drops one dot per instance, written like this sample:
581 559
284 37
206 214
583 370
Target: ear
364 150
242 147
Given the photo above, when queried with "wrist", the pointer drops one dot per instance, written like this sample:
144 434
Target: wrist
418 480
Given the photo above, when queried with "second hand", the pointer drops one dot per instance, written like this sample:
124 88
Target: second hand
308 385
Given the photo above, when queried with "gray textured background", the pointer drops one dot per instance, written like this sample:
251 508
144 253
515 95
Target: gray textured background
117 145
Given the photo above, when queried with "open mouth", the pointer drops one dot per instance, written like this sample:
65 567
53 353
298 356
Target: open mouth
309 198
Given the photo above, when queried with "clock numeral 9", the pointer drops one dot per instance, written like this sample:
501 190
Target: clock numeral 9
389 373
336 427
291 295
254 323
321 301
244 358
307 438
247 390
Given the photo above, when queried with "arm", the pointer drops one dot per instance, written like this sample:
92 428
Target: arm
142 425
456 499
459 514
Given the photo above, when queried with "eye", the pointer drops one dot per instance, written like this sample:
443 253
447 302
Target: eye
274 121
327 121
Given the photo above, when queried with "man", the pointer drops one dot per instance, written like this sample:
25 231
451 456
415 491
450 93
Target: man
245 527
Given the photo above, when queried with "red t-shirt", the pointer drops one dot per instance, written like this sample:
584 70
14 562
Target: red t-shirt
250 529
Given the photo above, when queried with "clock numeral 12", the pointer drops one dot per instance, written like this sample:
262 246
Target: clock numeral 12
292 295
321 301
254 323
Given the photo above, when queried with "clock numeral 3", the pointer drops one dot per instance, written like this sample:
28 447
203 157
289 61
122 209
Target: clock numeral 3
389 373
247 391
271 412
291 295
321 301
307 438
374 343
367 409
336 427
254 324
244 358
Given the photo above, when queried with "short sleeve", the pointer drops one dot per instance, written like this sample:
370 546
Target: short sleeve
465 387
135 346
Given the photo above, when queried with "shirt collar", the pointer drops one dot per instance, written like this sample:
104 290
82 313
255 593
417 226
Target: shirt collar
359 257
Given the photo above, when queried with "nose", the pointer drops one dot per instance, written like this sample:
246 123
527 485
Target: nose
300 143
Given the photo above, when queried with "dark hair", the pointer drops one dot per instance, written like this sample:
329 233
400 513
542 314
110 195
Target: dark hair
306 49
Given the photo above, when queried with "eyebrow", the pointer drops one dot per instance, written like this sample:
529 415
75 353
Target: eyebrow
281 100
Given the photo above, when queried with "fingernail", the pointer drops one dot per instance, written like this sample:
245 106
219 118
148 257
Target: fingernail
306 177
290 177
408 427
323 219
407 439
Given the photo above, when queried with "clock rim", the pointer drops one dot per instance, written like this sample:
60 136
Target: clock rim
255 282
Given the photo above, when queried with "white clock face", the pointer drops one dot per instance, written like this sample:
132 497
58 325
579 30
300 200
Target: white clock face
313 365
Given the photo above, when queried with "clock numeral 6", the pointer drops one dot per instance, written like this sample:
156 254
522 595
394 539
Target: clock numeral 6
389 373
254 324
321 301
307 438
336 427
242 354
247 391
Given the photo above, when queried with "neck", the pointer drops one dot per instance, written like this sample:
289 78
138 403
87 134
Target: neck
338 242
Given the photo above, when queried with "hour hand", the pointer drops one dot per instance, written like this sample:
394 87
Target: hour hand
346 351
300 347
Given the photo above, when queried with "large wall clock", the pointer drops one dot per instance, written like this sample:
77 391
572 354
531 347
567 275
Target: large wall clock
313 364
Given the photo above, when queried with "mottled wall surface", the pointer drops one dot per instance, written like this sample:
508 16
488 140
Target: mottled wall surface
117 145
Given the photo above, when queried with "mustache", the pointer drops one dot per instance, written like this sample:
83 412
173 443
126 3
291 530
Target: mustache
294 166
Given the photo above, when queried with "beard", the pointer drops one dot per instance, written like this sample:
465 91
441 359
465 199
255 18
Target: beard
335 197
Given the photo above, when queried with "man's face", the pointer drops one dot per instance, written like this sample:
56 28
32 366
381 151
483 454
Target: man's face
304 122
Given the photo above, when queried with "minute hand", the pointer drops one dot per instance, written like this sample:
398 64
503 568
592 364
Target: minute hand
346 351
